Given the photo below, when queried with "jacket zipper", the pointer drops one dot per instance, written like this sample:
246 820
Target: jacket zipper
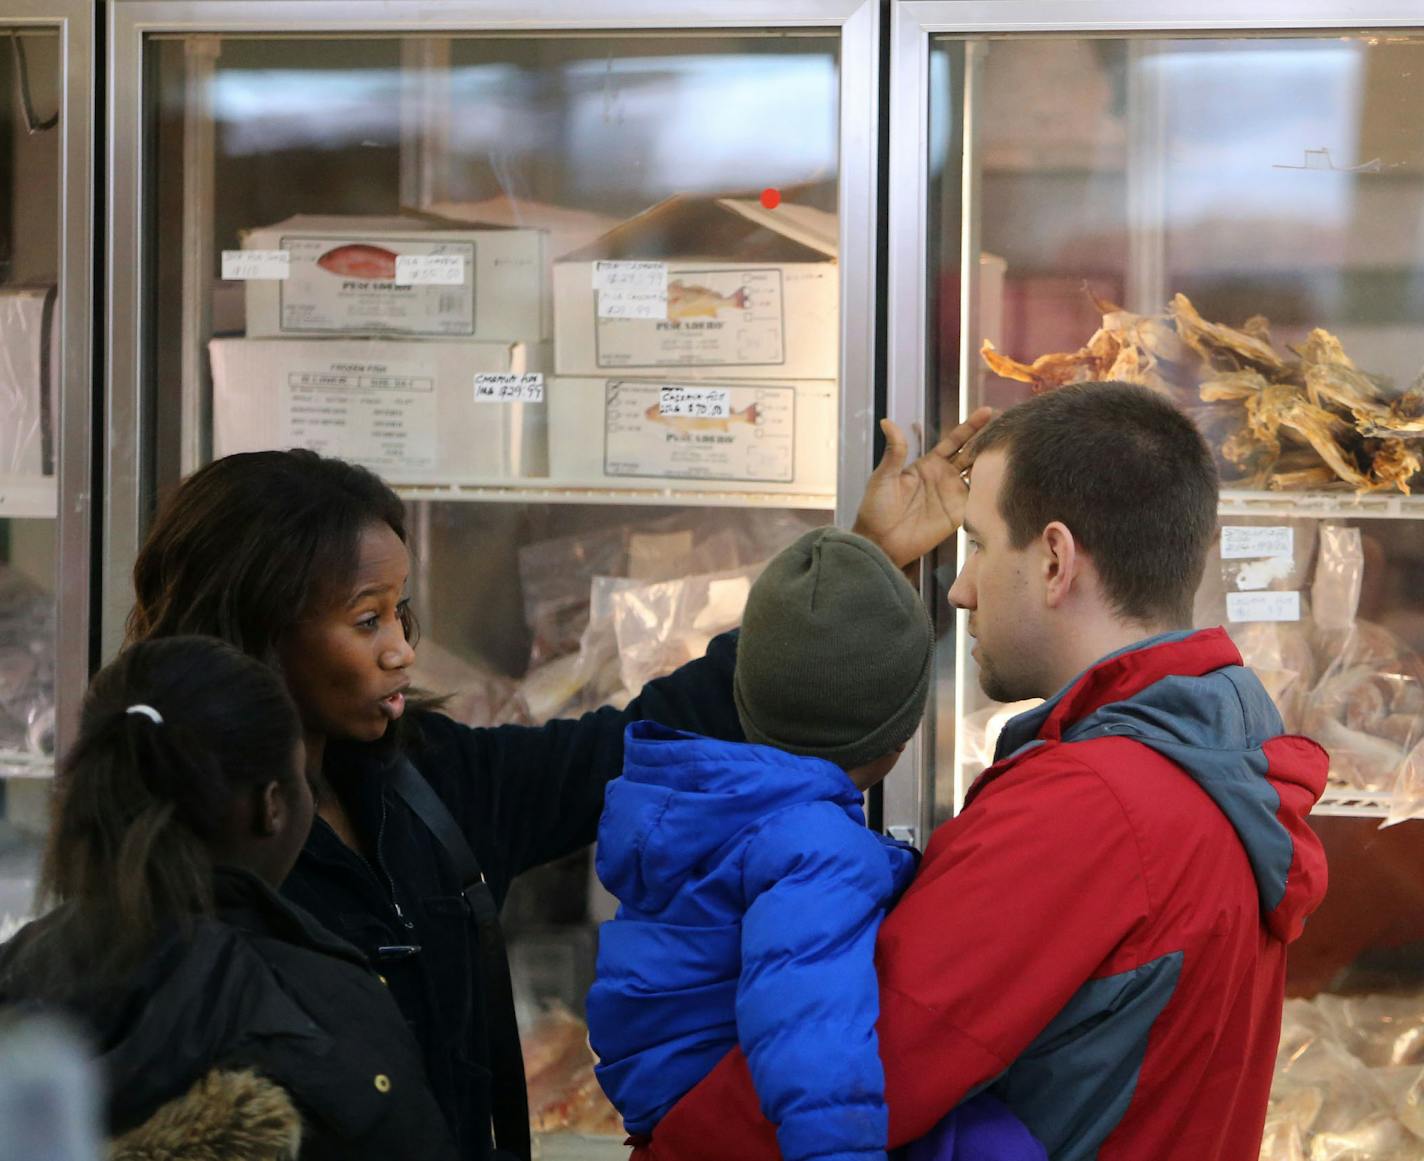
381 862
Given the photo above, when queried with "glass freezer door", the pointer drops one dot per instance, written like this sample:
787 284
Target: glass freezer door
1232 219
44 417
594 297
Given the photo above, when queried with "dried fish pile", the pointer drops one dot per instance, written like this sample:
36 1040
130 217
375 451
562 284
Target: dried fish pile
1310 419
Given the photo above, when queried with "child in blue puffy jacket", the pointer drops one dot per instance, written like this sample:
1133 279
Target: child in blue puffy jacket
750 891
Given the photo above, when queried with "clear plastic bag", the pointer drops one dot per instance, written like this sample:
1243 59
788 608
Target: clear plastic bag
1349 1085
661 626
667 586
1339 577
557 575
471 693
980 730
1280 654
1366 707
27 663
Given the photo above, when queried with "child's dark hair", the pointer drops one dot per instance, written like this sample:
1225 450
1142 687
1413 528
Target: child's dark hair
142 791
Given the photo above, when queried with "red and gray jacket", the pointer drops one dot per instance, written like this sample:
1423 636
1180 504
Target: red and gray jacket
1099 938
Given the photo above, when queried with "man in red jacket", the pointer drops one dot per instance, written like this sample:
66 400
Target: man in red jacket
1099 937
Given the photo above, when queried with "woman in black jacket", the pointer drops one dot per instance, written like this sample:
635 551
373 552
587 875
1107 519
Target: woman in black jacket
220 1012
301 561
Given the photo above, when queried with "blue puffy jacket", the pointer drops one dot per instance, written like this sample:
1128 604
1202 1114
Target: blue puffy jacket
750 896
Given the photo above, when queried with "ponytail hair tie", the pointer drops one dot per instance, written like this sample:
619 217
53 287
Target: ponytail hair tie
147 711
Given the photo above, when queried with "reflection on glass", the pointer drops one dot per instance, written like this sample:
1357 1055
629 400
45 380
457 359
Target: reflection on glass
29 376
290 144
1238 224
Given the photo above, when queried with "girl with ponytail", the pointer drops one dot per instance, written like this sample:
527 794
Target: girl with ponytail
219 1011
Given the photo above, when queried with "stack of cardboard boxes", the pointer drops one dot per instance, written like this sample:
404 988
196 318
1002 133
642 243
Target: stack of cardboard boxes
696 347
360 353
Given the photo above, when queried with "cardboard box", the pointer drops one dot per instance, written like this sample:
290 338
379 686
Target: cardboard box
751 294
564 229
778 437
342 281
405 410
29 376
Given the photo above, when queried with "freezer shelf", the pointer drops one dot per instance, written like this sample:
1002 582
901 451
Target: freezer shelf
1349 803
522 494
14 764
1321 505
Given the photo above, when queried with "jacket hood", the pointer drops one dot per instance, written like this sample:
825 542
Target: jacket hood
682 797
200 993
1189 697
226 1116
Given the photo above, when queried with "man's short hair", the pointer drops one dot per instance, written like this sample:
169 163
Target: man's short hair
1130 476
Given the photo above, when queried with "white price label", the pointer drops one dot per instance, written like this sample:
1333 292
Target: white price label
694 402
509 388
630 276
251 265
1267 606
632 304
430 270
1245 542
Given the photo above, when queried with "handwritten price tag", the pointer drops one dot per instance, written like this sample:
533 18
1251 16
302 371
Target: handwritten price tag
630 276
632 304
1249 542
695 402
251 265
509 388
430 270
1266 606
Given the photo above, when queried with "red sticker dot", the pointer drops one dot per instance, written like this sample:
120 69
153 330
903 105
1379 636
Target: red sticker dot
771 198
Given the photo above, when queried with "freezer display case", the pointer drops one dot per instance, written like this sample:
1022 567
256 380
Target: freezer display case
1222 203
44 416
593 292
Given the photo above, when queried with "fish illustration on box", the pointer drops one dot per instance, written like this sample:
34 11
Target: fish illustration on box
360 260
685 301
689 424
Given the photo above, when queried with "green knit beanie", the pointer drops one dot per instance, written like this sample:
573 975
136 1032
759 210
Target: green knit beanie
834 656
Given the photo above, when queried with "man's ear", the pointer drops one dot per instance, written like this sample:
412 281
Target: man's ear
1062 563
270 813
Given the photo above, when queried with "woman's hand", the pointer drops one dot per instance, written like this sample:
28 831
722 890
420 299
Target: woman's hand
908 511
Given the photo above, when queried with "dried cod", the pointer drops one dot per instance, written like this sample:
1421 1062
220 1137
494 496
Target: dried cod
1313 421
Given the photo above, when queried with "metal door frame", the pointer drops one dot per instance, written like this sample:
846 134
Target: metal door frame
912 25
74 22
131 21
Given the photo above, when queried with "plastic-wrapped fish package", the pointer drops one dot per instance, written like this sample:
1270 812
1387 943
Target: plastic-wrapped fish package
29 356
27 665
612 608
1349 1081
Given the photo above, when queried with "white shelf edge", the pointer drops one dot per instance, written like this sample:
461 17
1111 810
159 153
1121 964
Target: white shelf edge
14 764
1374 505
1347 802
535 493
28 497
